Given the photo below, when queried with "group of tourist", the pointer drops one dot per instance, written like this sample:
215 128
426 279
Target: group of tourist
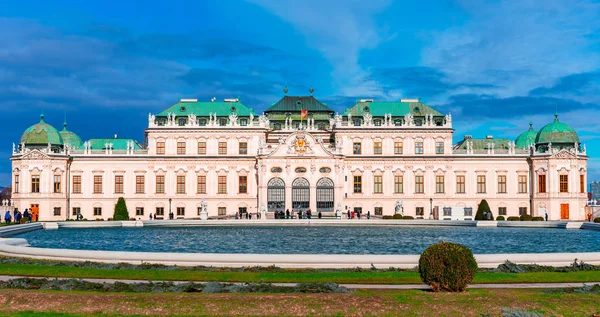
246 215
356 214
22 217
299 214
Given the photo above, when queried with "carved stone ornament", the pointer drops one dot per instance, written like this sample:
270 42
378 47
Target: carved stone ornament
34 155
300 146
564 154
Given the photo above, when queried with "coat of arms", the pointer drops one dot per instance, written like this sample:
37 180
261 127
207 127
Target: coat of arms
300 146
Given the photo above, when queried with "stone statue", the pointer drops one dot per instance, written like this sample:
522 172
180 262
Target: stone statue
338 144
550 147
408 119
151 119
203 209
14 148
583 149
349 118
338 120
232 119
331 123
192 119
49 149
251 117
263 212
399 209
367 117
338 211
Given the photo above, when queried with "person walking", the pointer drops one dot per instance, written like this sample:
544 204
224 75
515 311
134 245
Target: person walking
319 215
348 213
7 217
368 214
546 216
287 214
150 216
589 216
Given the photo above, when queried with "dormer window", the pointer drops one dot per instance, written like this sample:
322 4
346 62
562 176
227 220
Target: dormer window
377 123
357 123
418 122
202 122
181 122
243 122
398 122
222 122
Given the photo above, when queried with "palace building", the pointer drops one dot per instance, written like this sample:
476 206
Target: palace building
377 157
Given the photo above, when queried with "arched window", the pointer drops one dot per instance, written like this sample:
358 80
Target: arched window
275 194
300 170
300 194
325 195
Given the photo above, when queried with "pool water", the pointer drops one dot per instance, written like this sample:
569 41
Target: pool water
315 239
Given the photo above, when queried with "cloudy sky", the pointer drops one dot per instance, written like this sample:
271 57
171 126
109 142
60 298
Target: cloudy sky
495 65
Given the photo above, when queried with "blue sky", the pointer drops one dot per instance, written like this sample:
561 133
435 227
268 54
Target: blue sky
495 65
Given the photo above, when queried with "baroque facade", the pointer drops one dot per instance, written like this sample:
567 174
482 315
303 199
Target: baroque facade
377 157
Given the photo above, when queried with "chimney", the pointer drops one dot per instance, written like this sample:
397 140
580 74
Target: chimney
116 137
489 137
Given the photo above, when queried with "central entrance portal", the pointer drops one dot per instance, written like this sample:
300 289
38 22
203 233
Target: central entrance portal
300 194
275 194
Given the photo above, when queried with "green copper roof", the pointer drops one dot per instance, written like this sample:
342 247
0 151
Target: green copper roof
298 103
203 109
556 132
70 138
41 134
118 144
396 108
483 144
526 138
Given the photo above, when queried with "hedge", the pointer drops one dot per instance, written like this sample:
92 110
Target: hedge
597 219
537 219
513 218
500 218
525 217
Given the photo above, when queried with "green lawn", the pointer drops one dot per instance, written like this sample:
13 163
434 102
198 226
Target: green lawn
292 276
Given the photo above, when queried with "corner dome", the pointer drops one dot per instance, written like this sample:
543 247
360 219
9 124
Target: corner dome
70 138
557 132
41 133
527 138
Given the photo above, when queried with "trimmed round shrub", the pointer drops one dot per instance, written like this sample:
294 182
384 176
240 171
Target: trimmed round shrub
447 266
483 209
537 219
500 218
597 219
408 217
397 216
387 217
525 218
513 218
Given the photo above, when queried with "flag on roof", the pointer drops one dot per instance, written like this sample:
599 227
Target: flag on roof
304 114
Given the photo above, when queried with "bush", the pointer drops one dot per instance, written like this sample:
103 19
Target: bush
525 217
121 212
500 218
387 217
483 209
447 266
597 219
537 219
513 218
397 216
408 217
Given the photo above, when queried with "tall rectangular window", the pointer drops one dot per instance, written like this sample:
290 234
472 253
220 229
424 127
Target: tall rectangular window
377 184
181 211
502 184
57 211
397 147
358 184
460 184
180 148
564 183
243 184
201 184
160 211
201 147
118 184
97 211
97 184
419 147
140 184
76 184
139 211
222 211
356 148
378 211
439 184
16 188
501 211
481 184
582 183
377 148
541 183
160 184
222 185
398 184
439 147
223 148
160 147
181 184
243 148
420 211
57 183
522 211
35 183
419 184
522 184
76 211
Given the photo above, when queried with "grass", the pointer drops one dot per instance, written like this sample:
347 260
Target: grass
360 303
290 276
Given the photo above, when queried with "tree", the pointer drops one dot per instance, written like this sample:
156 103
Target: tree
482 210
121 212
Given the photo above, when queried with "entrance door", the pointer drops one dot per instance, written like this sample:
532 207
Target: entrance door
564 211
300 194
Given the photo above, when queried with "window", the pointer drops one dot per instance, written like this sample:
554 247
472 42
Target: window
397 147
118 184
357 122
418 147
439 184
222 211
419 184
202 122
460 184
202 148
160 184
377 184
358 184
222 147
181 184
420 211
16 189
502 184
35 183
522 211
300 170
582 183
356 148
180 211
57 183
222 122
480 184
243 184
243 148
377 148
201 180
97 184
97 211
180 148
377 123
447 211
439 147
398 184
222 186
397 122
522 184
541 183
139 211
160 211
325 170
243 122
501 211
57 211
160 147
468 211
76 184
564 183
378 211
276 170
76 211
139 184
